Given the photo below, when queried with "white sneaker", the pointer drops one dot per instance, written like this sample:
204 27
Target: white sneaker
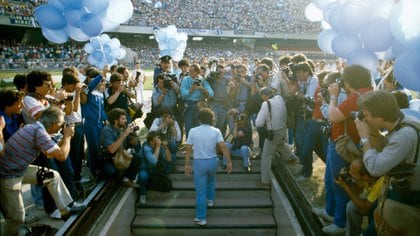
200 222
143 199
56 214
333 230
321 212
210 203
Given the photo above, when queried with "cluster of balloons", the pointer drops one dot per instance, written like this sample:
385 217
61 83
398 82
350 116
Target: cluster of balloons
103 51
364 31
171 43
81 19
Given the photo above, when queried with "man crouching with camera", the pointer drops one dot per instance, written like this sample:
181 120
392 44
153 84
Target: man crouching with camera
113 139
399 210
15 168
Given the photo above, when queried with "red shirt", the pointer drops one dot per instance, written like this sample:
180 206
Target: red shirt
346 107
316 114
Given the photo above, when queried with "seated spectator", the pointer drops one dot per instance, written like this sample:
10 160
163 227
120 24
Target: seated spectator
112 138
363 191
16 168
168 129
156 155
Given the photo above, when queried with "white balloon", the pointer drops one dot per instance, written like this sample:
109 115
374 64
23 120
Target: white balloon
88 48
171 31
321 4
108 25
114 43
325 25
77 34
116 53
123 53
119 11
405 23
313 13
381 8
182 37
105 38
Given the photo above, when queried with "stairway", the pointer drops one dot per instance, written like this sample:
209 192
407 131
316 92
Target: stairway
240 208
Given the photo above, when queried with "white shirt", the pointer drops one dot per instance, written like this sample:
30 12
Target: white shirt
278 117
155 127
204 139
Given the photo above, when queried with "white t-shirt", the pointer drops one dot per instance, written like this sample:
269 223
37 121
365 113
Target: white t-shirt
204 139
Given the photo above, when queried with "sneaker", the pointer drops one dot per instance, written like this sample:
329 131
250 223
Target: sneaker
210 203
200 222
302 179
30 219
143 199
333 230
263 185
247 169
55 215
321 212
131 184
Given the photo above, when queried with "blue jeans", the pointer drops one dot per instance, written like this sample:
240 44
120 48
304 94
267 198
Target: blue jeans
190 116
314 141
242 152
93 132
336 197
204 173
77 151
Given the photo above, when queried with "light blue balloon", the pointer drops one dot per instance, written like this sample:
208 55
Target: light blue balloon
161 36
321 4
172 43
353 16
365 58
376 35
165 53
92 60
343 44
407 70
55 36
404 23
91 24
107 49
75 4
109 59
96 6
88 48
95 42
97 55
77 34
73 16
56 4
397 48
115 53
334 18
50 17
324 40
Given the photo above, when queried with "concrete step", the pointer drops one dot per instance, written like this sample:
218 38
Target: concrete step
220 185
216 225
234 176
204 231
213 211
221 193
219 202
220 170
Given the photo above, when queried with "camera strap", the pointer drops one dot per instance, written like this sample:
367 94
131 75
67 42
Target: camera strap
402 124
269 113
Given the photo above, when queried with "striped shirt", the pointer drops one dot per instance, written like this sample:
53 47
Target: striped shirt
22 149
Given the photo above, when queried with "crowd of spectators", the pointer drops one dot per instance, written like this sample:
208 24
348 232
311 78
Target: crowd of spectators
269 16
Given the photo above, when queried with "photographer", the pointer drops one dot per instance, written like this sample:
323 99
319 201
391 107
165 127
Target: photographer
363 191
242 140
113 137
164 67
356 81
381 112
193 89
117 95
168 129
16 168
165 94
219 103
272 115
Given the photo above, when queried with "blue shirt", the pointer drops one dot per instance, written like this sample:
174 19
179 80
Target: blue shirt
93 110
169 100
12 125
149 156
196 95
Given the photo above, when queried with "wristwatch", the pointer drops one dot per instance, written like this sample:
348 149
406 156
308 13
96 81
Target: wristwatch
363 141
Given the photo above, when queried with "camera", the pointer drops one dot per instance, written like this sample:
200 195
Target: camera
357 115
310 102
167 80
326 128
197 82
69 98
325 94
340 82
345 176
137 75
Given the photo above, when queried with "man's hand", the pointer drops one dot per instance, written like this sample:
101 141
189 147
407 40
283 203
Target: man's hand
78 87
334 89
229 167
187 169
362 128
68 130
